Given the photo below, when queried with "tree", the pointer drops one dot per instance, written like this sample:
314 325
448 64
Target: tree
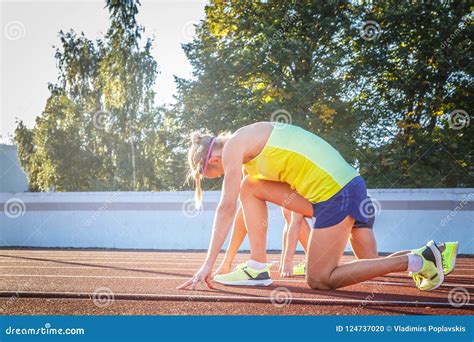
100 129
258 62
387 84
414 82
382 95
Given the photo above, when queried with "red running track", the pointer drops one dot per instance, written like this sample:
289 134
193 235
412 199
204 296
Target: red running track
105 282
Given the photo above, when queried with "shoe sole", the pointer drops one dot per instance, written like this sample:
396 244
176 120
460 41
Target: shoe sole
454 260
266 282
439 264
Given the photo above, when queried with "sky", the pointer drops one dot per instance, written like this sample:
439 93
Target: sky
30 29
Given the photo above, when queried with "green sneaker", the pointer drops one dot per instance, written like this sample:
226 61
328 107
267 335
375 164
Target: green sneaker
449 256
246 276
300 269
431 272
449 260
240 266
417 279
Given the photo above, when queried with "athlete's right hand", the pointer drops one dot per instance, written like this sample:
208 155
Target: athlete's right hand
202 277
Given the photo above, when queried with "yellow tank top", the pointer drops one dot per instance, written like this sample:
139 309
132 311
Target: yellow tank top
309 164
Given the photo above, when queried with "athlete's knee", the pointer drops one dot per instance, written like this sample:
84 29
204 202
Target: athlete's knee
319 280
248 186
320 283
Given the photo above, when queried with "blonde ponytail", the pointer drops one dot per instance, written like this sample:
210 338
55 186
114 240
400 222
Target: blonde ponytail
200 144
198 191
196 154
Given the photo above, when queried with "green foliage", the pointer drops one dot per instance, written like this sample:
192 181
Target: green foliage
100 129
384 101
412 79
383 98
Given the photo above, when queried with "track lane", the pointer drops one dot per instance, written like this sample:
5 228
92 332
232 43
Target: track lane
70 277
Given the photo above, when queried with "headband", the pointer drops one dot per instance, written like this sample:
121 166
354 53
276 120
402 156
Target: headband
206 162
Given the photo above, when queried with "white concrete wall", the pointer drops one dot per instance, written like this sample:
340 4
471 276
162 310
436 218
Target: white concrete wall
165 220
12 176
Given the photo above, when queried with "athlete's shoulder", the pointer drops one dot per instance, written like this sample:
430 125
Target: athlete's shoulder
255 127
249 139
252 131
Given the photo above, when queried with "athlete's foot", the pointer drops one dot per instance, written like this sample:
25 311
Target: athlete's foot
300 269
431 274
246 276
449 255
449 252
223 269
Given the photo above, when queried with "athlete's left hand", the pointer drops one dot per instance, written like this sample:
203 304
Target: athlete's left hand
202 277
287 270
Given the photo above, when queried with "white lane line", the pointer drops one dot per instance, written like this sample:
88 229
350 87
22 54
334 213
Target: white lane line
128 254
91 276
174 269
177 260
172 257
114 255
158 263
34 259
132 255
103 262
99 257
176 265
193 297
150 262
175 253
101 268
151 255
187 276
117 255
